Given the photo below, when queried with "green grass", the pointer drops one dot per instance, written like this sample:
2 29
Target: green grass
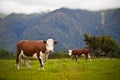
63 69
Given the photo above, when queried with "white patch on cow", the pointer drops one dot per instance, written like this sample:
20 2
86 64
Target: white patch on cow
76 56
21 54
50 45
70 52
83 55
89 57
35 55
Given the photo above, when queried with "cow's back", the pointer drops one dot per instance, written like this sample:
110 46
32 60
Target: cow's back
29 47
76 52
85 50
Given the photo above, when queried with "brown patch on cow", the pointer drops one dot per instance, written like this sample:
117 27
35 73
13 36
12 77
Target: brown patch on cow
78 52
31 47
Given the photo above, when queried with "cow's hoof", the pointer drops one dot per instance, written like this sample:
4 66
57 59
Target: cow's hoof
42 68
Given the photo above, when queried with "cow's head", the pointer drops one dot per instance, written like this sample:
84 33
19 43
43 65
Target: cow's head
50 45
70 52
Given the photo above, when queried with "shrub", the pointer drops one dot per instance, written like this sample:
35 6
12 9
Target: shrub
4 54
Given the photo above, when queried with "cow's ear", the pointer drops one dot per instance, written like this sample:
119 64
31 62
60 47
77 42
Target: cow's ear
55 42
44 41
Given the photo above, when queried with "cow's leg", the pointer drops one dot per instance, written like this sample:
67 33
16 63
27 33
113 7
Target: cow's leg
27 64
89 56
40 63
19 62
18 59
72 57
41 60
76 58
86 55
46 57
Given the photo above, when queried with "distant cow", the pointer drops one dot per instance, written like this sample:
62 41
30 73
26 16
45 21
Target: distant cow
38 49
78 52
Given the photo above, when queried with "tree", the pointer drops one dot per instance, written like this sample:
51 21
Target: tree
102 44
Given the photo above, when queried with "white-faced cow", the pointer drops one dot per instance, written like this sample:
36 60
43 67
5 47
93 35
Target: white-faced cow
38 49
78 52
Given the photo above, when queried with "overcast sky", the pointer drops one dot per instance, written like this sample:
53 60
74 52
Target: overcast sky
35 6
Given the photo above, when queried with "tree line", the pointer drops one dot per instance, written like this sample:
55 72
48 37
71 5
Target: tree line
102 45
4 54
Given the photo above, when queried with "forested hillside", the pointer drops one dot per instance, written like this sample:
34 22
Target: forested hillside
65 25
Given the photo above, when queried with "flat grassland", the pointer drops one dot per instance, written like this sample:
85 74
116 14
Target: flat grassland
63 69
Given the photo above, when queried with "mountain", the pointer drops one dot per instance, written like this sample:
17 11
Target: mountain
65 25
7 39
17 23
13 26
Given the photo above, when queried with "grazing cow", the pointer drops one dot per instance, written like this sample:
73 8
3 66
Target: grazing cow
78 52
38 49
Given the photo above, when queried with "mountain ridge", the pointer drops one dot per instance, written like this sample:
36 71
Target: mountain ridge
65 25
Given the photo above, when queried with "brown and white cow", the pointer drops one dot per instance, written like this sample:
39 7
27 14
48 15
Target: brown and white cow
75 53
38 49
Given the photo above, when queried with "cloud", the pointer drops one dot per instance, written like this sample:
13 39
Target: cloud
94 4
32 6
11 6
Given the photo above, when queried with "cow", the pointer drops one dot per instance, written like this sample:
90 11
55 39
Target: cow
38 49
78 52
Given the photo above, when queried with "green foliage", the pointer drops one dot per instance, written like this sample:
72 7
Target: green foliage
102 44
115 54
4 54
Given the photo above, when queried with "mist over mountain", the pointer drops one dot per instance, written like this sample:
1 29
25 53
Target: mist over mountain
65 25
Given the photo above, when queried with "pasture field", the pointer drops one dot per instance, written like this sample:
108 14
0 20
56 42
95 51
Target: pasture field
63 69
